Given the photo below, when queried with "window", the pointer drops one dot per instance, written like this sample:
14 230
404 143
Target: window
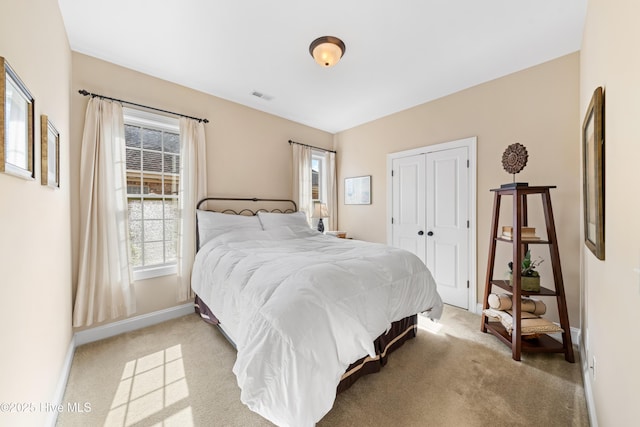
318 184
318 181
153 180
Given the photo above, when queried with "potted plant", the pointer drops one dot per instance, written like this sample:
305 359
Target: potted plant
529 277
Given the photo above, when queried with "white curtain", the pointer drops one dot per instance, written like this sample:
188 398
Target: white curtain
193 187
332 190
302 179
104 277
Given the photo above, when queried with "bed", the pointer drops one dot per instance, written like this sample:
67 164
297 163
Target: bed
307 313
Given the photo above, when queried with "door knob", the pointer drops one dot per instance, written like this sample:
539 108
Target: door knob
430 233
420 233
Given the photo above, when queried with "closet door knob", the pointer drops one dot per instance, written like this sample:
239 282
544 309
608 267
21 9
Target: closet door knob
430 233
420 233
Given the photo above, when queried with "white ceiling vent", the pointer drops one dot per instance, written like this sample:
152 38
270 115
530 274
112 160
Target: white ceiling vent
262 95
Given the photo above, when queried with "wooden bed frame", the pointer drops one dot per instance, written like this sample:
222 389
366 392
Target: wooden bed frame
385 344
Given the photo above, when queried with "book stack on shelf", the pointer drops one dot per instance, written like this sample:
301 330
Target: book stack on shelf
527 233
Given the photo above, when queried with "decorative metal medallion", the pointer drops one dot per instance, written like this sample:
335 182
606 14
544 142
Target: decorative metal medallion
514 158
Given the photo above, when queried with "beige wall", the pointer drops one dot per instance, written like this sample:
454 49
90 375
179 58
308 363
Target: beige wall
611 287
35 248
247 150
537 107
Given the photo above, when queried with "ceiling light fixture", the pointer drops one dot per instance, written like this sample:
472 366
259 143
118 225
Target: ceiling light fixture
327 50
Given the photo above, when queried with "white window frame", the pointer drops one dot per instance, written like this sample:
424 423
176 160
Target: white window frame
164 123
322 178
322 181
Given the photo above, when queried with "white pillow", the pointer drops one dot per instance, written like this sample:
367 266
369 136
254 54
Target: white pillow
271 220
213 224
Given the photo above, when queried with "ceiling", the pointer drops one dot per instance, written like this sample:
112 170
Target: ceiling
398 54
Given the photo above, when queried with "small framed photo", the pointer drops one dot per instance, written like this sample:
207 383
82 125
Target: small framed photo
593 174
16 124
357 190
50 149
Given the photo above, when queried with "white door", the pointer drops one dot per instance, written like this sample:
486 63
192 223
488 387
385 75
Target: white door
430 216
408 217
447 226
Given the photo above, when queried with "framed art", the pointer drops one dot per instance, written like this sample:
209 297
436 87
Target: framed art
50 150
357 190
593 174
16 124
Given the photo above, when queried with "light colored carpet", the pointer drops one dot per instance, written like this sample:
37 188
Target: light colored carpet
179 373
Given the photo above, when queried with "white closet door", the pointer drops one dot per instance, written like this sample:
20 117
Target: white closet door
408 204
447 215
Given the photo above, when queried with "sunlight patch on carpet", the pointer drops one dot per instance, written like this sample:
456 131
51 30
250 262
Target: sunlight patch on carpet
426 324
149 385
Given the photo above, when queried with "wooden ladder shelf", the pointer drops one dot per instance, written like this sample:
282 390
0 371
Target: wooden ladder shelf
543 343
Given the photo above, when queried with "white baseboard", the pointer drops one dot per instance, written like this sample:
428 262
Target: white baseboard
479 309
588 392
62 382
131 324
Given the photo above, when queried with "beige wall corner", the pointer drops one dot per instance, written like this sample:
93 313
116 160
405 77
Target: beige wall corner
537 107
611 288
35 246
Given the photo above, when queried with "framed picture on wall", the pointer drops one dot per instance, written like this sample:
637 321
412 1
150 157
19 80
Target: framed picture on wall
50 150
593 174
357 190
16 133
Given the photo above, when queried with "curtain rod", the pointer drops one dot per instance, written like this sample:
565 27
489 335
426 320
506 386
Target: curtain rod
94 95
311 146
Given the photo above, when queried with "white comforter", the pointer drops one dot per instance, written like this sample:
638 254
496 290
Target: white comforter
301 307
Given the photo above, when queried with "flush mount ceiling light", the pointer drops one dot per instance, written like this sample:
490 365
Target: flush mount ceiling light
327 50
